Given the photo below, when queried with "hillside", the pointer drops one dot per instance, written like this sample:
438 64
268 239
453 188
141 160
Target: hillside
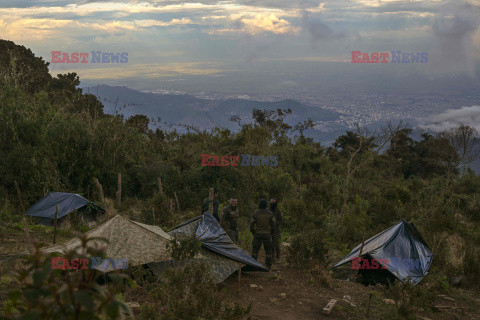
202 113
55 136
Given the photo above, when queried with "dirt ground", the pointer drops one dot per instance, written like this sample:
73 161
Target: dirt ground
288 292
305 298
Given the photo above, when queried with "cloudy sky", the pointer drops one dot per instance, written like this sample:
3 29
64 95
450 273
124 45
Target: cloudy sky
236 45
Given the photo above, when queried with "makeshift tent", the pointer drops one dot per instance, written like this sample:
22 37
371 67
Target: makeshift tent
143 244
67 202
137 242
401 249
216 241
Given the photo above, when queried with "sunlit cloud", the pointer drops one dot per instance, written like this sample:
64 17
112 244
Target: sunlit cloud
146 71
266 23
230 31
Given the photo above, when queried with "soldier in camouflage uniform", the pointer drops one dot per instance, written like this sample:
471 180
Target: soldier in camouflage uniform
216 204
277 234
262 226
229 220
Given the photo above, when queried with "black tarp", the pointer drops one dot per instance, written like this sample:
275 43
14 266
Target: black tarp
67 202
401 248
213 237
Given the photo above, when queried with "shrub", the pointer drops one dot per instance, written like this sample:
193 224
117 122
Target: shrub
48 293
471 267
307 248
408 298
186 290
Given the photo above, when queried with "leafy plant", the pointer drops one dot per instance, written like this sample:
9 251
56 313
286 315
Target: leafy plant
48 293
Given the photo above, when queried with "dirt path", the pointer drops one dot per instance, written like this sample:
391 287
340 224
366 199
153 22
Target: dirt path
305 298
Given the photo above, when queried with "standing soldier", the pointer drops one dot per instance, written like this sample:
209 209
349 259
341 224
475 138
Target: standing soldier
229 220
262 226
215 204
277 234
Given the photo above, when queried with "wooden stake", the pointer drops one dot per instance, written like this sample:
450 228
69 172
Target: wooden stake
55 226
99 189
19 197
368 308
239 273
176 199
160 189
119 189
27 232
171 205
210 201
153 210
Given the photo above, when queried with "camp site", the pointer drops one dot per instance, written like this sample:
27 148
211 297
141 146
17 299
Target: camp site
240 160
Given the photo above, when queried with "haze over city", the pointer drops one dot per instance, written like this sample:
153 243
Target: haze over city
271 50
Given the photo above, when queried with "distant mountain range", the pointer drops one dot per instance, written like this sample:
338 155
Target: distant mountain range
175 110
203 113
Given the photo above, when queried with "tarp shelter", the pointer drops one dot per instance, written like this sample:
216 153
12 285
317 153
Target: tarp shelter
216 242
400 248
143 244
67 202
137 242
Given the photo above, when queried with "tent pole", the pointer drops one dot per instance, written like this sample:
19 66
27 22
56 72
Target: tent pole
55 226
360 256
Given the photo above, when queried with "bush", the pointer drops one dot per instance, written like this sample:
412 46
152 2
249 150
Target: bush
308 248
48 293
471 267
186 290
409 298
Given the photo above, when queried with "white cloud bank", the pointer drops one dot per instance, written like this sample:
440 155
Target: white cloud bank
452 119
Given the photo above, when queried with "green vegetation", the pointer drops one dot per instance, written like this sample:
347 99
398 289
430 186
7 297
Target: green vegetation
54 137
48 293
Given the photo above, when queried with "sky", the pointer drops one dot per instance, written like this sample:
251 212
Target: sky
249 46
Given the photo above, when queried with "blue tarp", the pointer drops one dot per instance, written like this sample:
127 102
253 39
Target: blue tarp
67 202
403 250
213 237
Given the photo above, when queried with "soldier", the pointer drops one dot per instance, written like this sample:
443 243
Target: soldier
262 226
215 204
277 234
229 220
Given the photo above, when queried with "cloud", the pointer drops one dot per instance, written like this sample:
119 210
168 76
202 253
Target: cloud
144 71
266 23
299 4
452 119
453 31
318 30
156 23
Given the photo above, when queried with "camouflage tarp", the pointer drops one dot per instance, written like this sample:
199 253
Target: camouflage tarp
137 242
144 244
